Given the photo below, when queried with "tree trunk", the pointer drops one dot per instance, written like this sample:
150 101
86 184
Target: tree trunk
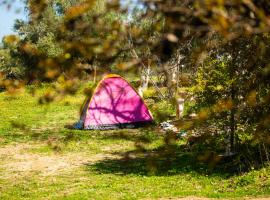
232 120
232 130
180 108
95 74
145 76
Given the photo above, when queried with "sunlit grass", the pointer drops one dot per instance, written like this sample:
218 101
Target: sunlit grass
40 159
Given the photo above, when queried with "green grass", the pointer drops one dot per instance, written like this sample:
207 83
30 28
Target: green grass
40 159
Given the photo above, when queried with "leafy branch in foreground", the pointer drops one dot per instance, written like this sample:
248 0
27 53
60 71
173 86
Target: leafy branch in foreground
226 49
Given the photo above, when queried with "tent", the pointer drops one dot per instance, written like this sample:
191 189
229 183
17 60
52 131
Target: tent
114 104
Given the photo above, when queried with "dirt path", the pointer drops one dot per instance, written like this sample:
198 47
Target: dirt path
17 159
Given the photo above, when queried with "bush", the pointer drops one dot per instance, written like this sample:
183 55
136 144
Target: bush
162 111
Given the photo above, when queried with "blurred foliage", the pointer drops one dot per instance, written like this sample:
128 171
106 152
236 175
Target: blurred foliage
219 48
163 111
228 44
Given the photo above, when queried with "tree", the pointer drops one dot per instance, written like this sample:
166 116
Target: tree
227 41
231 52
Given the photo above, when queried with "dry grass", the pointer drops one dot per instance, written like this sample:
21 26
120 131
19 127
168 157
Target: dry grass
18 161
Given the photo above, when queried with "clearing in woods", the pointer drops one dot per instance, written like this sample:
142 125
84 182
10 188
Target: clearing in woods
40 159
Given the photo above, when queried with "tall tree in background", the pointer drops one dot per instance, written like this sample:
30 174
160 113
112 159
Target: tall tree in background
238 31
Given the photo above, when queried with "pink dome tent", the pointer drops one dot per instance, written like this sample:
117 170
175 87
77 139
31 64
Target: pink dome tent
114 104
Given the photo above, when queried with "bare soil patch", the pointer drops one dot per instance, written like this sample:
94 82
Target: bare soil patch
18 159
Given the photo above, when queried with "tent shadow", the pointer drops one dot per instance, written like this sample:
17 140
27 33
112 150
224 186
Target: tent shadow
146 134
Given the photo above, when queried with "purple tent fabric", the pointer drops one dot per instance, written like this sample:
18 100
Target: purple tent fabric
115 102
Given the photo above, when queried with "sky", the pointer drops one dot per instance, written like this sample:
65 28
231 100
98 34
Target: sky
8 16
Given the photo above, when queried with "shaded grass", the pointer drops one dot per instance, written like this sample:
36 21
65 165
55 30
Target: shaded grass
139 166
81 184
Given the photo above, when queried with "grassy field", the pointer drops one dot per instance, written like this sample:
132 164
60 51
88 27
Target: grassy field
41 159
